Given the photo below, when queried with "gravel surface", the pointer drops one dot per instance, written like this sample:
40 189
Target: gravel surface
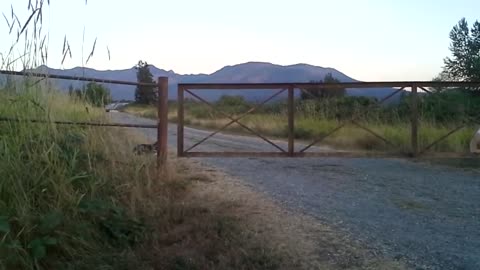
424 214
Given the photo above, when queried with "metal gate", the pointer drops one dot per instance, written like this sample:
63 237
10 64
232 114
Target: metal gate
413 88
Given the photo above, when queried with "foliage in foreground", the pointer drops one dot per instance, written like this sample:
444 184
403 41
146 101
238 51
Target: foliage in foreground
76 198
58 202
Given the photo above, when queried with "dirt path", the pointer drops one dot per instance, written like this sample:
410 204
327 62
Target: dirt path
426 215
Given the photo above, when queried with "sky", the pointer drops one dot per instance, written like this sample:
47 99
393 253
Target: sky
369 40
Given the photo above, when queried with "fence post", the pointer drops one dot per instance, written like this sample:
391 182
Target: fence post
162 131
291 121
180 121
414 120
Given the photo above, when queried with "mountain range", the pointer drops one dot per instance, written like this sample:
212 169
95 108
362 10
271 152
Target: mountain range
251 72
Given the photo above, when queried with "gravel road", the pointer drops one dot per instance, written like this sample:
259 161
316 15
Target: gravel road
427 215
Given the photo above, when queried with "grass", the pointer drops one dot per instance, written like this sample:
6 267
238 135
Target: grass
77 198
308 128
142 110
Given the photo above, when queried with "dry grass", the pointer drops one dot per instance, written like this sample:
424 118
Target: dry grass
202 218
302 242
183 232
78 198
309 128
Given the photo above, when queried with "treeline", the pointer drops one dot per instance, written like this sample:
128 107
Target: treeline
452 106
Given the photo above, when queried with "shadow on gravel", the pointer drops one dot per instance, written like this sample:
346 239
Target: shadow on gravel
471 163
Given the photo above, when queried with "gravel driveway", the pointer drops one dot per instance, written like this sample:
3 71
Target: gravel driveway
424 214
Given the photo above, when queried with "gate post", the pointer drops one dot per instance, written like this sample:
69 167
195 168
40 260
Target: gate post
291 119
180 121
162 130
414 121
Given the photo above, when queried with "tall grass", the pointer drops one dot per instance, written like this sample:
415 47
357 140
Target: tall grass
314 120
52 179
77 198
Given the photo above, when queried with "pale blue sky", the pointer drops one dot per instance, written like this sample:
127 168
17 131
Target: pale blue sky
366 39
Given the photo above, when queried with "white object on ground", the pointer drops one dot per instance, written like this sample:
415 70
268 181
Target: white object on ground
475 143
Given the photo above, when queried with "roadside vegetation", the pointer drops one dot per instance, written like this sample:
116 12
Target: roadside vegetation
77 198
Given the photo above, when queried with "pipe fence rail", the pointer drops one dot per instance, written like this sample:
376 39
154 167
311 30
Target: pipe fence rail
70 123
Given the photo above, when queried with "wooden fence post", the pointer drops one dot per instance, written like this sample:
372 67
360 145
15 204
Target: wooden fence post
162 131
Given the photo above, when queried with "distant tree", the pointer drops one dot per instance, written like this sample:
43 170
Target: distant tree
145 94
232 104
97 94
321 92
464 64
232 101
442 76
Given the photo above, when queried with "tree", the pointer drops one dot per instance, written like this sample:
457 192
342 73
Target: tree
443 76
464 64
145 94
97 94
321 92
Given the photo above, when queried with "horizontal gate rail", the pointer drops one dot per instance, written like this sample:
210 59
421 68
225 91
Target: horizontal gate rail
70 123
72 78
390 84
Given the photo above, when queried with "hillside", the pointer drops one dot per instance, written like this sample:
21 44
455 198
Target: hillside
251 72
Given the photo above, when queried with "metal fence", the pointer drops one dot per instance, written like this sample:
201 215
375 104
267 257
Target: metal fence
162 115
161 126
414 150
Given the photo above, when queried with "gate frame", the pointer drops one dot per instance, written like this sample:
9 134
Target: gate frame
400 85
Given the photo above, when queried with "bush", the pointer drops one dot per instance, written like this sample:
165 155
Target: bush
95 94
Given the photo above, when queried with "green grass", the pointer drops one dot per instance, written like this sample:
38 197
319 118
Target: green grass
77 198
60 193
311 126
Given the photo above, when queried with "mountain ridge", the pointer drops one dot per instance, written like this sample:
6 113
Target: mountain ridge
248 72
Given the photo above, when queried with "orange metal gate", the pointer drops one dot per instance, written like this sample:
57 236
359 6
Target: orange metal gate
279 88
